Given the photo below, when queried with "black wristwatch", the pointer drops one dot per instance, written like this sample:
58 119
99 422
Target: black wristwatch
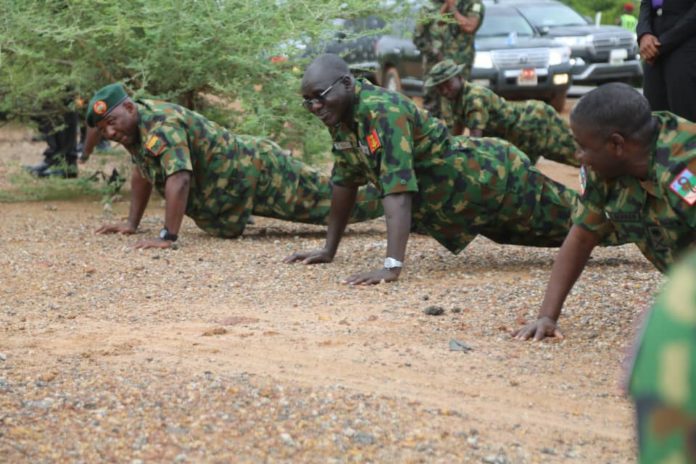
165 235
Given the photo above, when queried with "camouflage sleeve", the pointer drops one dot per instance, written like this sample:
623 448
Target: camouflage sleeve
663 378
169 145
472 8
476 112
589 209
345 172
391 138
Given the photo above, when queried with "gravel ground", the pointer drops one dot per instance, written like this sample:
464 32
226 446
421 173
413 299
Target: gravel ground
217 352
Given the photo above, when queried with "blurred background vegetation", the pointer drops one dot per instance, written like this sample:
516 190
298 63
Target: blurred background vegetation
215 56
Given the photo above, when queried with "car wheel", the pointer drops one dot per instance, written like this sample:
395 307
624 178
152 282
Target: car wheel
558 100
392 81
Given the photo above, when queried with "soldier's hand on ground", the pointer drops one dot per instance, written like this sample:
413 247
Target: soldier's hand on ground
153 243
310 257
649 47
373 277
538 330
125 229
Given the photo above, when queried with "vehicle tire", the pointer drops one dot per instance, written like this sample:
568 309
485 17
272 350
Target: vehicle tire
558 100
391 80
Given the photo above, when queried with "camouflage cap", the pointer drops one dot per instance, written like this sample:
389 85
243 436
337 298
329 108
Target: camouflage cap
442 72
106 99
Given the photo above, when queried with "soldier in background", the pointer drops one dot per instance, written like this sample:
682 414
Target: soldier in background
452 188
638 182
532 126
216 178
60 156
663 378
445 30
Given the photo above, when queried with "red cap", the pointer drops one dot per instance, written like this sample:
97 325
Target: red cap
628 7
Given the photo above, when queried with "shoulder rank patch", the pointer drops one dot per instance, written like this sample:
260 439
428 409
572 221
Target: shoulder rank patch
583 180
343 145
476 8
373 142
684 185
154 145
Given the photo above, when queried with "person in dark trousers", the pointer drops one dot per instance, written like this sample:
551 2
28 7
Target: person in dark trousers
667 37
60 157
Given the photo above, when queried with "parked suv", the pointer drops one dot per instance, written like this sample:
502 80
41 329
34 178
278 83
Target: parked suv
599 53
511 58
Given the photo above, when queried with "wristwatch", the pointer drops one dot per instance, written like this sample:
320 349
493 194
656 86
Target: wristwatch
391 263
165 235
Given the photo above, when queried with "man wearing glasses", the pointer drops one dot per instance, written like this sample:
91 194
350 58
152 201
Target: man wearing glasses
217 178
453 188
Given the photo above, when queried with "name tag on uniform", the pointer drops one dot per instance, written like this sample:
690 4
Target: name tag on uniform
684 185
364 149
344 145
620 216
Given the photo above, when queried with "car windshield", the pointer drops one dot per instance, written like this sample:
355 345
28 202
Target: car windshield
501 23
552 15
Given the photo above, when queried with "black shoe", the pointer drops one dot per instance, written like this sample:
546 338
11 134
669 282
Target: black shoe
60 171
37 169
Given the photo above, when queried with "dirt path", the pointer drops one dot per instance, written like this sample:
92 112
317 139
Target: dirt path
217 352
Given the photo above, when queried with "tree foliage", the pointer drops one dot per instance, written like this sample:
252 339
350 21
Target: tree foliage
211 55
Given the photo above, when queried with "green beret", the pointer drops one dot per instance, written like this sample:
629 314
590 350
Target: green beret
106 99
442 72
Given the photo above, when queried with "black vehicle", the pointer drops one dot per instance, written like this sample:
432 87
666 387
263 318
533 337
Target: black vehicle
511 58
599 53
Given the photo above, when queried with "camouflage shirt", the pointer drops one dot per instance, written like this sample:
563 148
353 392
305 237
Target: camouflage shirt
531 125
232 176
659 213
441 38
663 381
462 186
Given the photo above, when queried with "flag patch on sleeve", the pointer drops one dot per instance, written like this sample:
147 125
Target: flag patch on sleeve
684 185
373 142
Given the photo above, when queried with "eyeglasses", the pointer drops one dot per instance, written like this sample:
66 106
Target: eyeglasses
308 103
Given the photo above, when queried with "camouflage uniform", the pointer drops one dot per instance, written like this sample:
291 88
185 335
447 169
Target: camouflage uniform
532 126
462 186
658 214
439 40
663 381
233 176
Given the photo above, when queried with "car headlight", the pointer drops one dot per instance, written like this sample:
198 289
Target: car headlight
559 55
483 60
574 41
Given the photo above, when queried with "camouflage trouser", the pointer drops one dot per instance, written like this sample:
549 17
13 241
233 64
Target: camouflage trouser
294 191
540 131
281 187
663 381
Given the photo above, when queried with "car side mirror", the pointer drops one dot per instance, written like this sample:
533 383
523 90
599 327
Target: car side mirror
544 30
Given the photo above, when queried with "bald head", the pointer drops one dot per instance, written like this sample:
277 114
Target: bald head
613 108
325 68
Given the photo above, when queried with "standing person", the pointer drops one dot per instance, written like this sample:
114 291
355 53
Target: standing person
531 125
446 30
638 181
627 20
667 37
60 156
663 378
453 188
202 170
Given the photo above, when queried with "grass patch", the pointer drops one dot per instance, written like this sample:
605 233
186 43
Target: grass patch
19 185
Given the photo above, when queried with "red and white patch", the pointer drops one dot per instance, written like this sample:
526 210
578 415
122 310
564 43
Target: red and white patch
99 107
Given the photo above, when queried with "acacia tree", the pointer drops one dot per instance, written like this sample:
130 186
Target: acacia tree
211 55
